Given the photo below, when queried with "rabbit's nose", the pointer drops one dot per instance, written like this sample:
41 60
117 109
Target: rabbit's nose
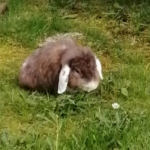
89 89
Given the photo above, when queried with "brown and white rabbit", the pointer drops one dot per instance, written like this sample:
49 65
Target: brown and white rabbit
61 65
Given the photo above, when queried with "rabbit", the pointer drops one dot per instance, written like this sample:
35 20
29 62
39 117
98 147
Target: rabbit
59 66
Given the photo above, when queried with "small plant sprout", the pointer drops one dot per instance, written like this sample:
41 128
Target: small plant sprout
115 105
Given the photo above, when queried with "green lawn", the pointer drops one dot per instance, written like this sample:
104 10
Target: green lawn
119 34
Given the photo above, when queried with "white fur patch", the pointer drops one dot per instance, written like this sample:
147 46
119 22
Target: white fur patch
99 67
63 79
90 86
24 64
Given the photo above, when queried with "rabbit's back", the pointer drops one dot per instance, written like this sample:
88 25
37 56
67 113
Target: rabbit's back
40 70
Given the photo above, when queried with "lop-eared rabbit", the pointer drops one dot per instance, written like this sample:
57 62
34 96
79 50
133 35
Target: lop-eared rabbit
59 66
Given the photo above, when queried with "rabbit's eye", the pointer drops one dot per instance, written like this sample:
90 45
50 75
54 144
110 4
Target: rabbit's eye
77 70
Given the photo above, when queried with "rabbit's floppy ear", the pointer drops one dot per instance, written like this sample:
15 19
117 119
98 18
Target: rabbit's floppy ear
63 79
99 67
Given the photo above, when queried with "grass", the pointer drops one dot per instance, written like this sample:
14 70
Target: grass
119 33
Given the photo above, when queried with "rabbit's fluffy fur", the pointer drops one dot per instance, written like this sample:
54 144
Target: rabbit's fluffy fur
59 65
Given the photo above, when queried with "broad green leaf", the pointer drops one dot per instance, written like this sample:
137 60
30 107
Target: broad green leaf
124 91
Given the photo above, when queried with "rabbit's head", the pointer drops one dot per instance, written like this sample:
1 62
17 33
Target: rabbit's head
84 71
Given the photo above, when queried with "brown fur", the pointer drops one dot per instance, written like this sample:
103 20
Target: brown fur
82 67
43 66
